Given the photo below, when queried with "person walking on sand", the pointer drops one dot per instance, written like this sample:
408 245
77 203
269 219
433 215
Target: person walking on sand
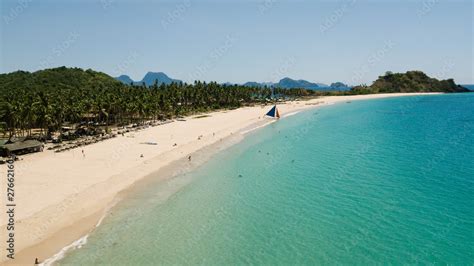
189 158
83 154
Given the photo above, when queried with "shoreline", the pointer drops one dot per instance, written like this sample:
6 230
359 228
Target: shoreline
68 195
163 175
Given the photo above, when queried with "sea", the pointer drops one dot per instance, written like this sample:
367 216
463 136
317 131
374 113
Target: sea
386 181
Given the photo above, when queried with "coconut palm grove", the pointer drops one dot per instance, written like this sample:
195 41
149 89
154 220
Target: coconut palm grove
50 99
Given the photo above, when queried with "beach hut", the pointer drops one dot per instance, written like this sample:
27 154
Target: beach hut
20 147
273 112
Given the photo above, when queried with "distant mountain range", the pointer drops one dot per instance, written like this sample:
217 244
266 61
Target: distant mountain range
149 79
287 83
125 79
468 86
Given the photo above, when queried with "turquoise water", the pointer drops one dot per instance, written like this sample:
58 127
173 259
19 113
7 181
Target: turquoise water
382 181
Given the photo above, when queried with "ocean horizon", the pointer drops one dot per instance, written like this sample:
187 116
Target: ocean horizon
386 181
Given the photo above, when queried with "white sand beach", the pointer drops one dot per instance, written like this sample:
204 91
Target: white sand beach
61 196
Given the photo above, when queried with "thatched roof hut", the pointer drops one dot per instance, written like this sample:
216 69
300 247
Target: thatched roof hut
21 147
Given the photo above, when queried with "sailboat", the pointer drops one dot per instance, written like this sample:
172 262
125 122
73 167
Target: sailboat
274 112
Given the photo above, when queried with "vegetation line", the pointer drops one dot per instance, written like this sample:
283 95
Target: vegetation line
49 99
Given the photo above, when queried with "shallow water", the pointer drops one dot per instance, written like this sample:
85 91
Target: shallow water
379 181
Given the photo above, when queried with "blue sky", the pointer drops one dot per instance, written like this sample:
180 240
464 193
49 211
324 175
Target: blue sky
352 41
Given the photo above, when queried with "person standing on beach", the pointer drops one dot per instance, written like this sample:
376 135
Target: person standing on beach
189 158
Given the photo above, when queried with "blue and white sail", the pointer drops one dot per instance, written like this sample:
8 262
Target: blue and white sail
274 112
